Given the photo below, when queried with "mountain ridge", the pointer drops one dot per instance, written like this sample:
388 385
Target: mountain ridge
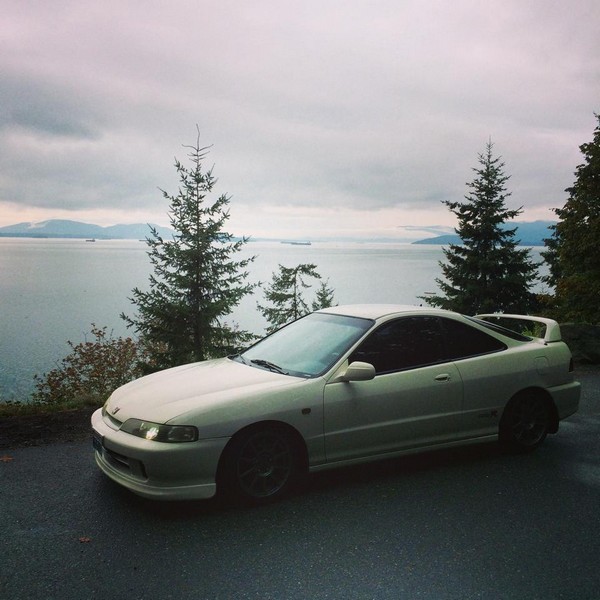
64 228
528 233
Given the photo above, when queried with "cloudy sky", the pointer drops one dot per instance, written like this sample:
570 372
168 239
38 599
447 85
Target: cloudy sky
326 117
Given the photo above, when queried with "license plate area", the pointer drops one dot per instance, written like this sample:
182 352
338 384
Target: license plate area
97 441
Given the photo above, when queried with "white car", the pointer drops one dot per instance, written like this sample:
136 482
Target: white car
340 386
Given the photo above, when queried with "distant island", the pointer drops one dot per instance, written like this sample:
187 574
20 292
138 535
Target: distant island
528 234
57 228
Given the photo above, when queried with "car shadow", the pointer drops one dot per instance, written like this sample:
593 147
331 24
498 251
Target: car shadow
404 466
334 481
164 509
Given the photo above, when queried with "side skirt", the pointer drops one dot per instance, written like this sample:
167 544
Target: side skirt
405 452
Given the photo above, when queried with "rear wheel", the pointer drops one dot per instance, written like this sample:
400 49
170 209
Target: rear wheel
260 465
525 422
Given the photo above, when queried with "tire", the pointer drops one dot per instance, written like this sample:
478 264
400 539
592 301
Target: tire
260 465
525 423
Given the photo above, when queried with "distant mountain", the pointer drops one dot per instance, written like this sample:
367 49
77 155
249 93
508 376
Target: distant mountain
56 228
530 233
412 233
440 240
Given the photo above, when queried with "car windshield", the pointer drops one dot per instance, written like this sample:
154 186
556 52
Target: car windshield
307 347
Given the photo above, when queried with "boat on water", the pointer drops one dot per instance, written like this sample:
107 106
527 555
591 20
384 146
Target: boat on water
298 243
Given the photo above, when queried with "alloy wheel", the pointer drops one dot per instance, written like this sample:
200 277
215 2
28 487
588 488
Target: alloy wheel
264 464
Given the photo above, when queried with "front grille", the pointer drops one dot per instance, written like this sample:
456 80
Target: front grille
113 422
121 460
128 466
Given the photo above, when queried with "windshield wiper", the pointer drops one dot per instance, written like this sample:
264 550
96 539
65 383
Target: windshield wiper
269 365
239 357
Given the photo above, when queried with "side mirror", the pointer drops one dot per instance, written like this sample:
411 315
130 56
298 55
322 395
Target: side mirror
359 371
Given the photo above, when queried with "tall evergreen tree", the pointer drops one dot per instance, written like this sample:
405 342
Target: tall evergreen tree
487 272
573 253
286 295
196 281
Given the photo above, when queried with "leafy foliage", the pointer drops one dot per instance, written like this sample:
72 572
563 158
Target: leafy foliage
286 295
92 371
196 281
487 272
572 251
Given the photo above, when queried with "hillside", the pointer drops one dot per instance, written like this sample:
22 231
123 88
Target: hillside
57 228
528 233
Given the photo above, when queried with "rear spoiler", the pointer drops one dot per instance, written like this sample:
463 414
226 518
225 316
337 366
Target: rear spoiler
552 333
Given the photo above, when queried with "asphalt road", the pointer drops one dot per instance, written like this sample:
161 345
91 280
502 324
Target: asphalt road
469 523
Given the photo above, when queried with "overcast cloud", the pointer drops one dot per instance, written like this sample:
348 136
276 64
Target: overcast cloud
337 117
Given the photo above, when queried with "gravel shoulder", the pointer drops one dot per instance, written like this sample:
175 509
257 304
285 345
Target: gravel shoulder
38 430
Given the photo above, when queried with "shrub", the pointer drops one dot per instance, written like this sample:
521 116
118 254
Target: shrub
93 369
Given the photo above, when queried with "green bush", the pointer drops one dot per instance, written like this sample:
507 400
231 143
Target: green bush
584 341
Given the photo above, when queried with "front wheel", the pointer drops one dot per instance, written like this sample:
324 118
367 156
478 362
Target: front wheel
525 423
259 465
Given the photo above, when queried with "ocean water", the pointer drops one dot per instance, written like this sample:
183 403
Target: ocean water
52 291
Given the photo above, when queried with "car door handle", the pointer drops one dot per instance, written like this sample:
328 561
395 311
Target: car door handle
442 377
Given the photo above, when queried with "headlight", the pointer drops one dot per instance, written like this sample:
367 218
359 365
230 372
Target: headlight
160 433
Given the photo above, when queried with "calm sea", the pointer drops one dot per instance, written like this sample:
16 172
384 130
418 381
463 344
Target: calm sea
52 290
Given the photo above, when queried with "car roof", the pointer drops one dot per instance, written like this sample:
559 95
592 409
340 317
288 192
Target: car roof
378 311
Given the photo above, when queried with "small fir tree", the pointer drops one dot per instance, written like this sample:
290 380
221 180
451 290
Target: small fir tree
487 272
286 295
196 281
572 252
324 296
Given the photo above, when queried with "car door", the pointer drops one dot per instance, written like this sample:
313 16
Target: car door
413 401
491 374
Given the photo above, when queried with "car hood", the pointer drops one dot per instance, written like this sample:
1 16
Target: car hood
193 388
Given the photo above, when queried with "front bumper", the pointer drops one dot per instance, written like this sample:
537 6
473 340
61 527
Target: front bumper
157 470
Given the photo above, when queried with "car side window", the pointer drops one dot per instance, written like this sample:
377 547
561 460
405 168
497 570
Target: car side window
406 343
464 341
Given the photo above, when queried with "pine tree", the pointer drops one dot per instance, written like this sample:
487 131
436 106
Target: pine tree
196 281
285 294
324 296
573 253
487 272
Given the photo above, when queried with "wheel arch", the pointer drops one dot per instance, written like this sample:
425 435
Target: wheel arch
540 393
295 436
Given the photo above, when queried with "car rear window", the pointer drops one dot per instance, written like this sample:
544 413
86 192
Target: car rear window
464 341
509 333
